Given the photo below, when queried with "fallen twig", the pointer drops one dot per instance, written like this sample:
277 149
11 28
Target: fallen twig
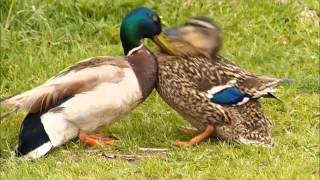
154 150
127 157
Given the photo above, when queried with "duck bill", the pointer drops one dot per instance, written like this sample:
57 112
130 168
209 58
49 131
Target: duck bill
163 43
171 32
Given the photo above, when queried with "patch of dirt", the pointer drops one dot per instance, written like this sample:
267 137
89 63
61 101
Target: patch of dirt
135 157
153 151
126 157
309 16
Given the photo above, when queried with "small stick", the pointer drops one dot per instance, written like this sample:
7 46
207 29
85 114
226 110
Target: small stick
154 150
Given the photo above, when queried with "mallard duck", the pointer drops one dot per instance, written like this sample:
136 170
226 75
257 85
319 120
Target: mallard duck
216 96
92 93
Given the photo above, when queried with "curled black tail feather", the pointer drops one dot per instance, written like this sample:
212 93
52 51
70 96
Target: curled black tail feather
270 95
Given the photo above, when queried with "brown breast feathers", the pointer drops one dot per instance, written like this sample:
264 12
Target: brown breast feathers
145 66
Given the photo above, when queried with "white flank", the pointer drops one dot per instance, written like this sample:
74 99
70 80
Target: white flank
105 94
58 128
88 111
105 104
40 151
84 79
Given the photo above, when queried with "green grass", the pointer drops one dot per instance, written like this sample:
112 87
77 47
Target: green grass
40 38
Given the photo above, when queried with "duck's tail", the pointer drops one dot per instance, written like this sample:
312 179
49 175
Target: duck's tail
273 86
7 102
285 81
265 86
3 116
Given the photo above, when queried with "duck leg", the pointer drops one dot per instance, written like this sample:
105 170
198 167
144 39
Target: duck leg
198 139
187 130
97 139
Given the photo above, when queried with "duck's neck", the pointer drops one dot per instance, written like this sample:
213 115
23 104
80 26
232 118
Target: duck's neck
130 47
134 49
142 61
145 67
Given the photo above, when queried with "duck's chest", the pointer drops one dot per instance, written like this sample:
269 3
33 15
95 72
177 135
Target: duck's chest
145 67
176 82
105 104
178 78
170 77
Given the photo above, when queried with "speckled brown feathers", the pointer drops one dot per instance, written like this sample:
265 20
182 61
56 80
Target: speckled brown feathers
248 125
179 83
185 78
183 83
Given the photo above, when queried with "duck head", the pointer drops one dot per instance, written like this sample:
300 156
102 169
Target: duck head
199 34
141 23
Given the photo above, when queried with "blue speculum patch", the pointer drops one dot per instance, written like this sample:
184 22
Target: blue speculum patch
228 96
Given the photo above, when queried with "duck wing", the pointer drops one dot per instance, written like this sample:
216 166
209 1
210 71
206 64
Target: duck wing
79 78
178 85
238 86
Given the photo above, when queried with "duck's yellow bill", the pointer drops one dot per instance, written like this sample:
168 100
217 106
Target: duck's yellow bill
163 43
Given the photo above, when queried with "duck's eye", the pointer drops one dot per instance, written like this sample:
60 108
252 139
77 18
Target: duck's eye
154 18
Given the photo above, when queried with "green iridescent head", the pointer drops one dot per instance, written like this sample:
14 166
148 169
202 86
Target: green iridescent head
140 23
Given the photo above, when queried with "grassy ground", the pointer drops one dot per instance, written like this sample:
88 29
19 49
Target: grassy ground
278 38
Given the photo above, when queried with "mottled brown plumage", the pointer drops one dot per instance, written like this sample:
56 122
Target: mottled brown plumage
185 78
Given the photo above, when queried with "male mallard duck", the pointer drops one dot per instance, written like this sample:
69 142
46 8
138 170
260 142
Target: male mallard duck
92 93
216 96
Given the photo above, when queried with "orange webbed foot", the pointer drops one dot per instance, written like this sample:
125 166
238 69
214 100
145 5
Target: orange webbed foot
197 139
181 143
97 139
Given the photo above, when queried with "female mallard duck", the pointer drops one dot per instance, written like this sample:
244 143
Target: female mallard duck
92 93
213 94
